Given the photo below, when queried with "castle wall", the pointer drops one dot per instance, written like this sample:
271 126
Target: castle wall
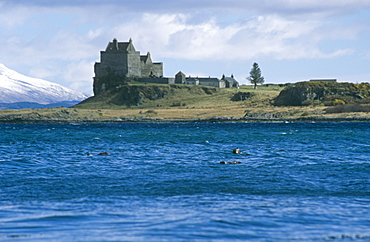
157 69
116 61
163 80
98 70
121 58
147 68
150 69
133 64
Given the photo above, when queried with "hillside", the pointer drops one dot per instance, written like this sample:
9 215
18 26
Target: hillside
183 103
169 96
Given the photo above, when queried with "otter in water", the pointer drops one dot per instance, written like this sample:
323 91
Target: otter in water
104 153
231 162
237 151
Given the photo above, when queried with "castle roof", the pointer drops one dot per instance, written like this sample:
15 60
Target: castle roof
145 58
115 45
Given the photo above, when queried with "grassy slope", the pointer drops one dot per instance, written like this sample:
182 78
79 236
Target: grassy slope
192 98
193 103
196 105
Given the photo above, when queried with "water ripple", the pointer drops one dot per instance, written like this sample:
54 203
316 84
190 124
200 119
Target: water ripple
164 182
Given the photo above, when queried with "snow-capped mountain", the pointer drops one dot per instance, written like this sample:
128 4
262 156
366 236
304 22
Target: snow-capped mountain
15 87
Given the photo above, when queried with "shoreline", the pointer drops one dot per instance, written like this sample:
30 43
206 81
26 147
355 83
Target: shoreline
73 115
335 119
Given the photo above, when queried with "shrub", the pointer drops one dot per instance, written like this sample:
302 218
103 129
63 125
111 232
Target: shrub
176 104
338 102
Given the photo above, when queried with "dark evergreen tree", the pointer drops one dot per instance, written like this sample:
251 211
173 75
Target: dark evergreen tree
255 76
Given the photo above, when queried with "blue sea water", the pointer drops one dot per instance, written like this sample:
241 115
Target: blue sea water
164 182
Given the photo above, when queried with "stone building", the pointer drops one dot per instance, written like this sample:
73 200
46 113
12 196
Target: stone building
123 59
120 62
211 82
224 82
230 82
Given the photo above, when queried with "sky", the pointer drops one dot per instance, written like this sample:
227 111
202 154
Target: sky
291 40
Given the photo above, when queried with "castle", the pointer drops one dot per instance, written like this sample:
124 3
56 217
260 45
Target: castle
123 59
120 62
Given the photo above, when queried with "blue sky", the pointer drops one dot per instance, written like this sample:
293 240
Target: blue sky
291 40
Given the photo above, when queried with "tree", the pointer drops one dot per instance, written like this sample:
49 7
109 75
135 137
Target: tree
255 76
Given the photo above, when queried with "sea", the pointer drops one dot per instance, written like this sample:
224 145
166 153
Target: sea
165 182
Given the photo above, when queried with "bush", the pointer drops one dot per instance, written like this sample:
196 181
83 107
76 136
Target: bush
338 102
178 104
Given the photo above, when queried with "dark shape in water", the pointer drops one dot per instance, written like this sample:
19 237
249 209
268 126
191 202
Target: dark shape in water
104 153
231 162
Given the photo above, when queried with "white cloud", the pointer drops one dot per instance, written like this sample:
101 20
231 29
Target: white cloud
311 4
79 75
64 50
176 36
12 17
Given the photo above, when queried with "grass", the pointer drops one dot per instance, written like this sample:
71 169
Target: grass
193 105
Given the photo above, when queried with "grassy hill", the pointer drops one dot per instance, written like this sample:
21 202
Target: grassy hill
188 101
180 101
156 96
153 102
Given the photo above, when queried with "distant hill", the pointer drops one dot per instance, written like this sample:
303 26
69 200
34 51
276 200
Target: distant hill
18 88
30 105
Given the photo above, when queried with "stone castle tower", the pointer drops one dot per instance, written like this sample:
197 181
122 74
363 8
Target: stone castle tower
121 63
121 59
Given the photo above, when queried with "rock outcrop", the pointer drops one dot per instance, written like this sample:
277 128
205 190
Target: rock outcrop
265 115
306 93
135 95
242 96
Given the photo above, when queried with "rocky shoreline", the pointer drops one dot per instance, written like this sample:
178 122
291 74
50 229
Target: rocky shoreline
69 116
